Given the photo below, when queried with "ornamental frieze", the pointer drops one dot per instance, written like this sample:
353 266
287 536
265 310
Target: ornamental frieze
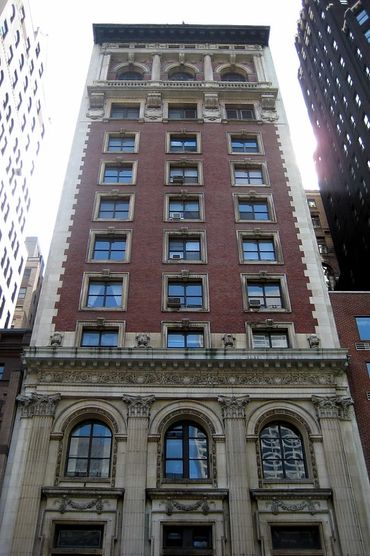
184 377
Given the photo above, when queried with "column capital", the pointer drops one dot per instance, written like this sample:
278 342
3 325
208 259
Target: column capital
138 406
42 405
333 407
233 407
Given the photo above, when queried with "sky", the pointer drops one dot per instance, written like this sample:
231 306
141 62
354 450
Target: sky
65 29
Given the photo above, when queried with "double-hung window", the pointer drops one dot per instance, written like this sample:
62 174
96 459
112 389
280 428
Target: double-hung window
188 249
125 111
184 209
111 208
104 294
118 174
182 112
185 295
107 248
183 143
258 250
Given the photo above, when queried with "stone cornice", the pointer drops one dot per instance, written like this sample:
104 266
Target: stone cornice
190 494
291 494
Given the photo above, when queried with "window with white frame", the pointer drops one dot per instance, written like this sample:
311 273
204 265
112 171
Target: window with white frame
265 293
124 142
184 173
183 142
245 143
114 173
113 207
188 247
184 207
185 292
109 247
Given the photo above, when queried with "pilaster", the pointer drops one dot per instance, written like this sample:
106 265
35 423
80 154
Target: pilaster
208 70
156 67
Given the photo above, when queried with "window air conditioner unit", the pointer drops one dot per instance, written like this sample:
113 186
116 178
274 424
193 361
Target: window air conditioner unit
177 179
254 303
177 216
176 256
174 302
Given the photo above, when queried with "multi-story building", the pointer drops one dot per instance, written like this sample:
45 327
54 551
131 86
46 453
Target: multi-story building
29 291
21 132
324 239
185 390
333 44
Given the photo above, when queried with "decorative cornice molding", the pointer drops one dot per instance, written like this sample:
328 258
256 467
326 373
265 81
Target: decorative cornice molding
138 406
333 407
233 407
41 405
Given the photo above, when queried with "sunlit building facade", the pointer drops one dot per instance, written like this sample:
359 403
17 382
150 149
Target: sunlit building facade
21 132
185 391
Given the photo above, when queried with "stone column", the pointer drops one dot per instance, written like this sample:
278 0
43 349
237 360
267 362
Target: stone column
156 67
331 410
133 517
41 408
241 523
208 70
104 67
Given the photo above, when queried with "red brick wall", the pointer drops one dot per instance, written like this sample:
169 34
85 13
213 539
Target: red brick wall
346 307
145 268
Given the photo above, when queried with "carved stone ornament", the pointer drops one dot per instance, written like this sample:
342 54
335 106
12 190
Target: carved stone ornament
65 503
56 339
313 341
172 505
38 404
138 406
309 505
96 100
142 339
228 340
154 100
233 407
211 101
333 407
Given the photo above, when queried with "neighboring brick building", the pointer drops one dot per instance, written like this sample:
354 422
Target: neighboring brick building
12 344
352 317
185 389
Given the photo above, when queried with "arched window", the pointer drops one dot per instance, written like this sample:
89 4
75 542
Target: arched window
130 76
181 76
186 452
89 450
282 452
232 76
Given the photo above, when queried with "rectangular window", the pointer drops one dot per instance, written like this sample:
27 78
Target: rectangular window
121 144
258 250
185 339
244 144
253 210
99 338
118 174
109 248
182 112
270 340
179 209
104 294
362 17
293 538
363 327
2 370
239 112
83 536
113 209
184 249
248 175
188 295
316 221
179 175
125 111
22 292
266 295
183 540
183 143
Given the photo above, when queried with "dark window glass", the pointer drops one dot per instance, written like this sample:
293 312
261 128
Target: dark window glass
282 452
232 76
186 210
248 176
99 338
270 340
118 174
2 370
186 452
130 75
183 144
181 76
182 540
302 537
121 144
259 250
244 112
125 112
184 174
189 294
253 211
190 339
78 536
186 112
187 249
89 451
116 209
104 294
109 249
363 327
268 294
244 145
